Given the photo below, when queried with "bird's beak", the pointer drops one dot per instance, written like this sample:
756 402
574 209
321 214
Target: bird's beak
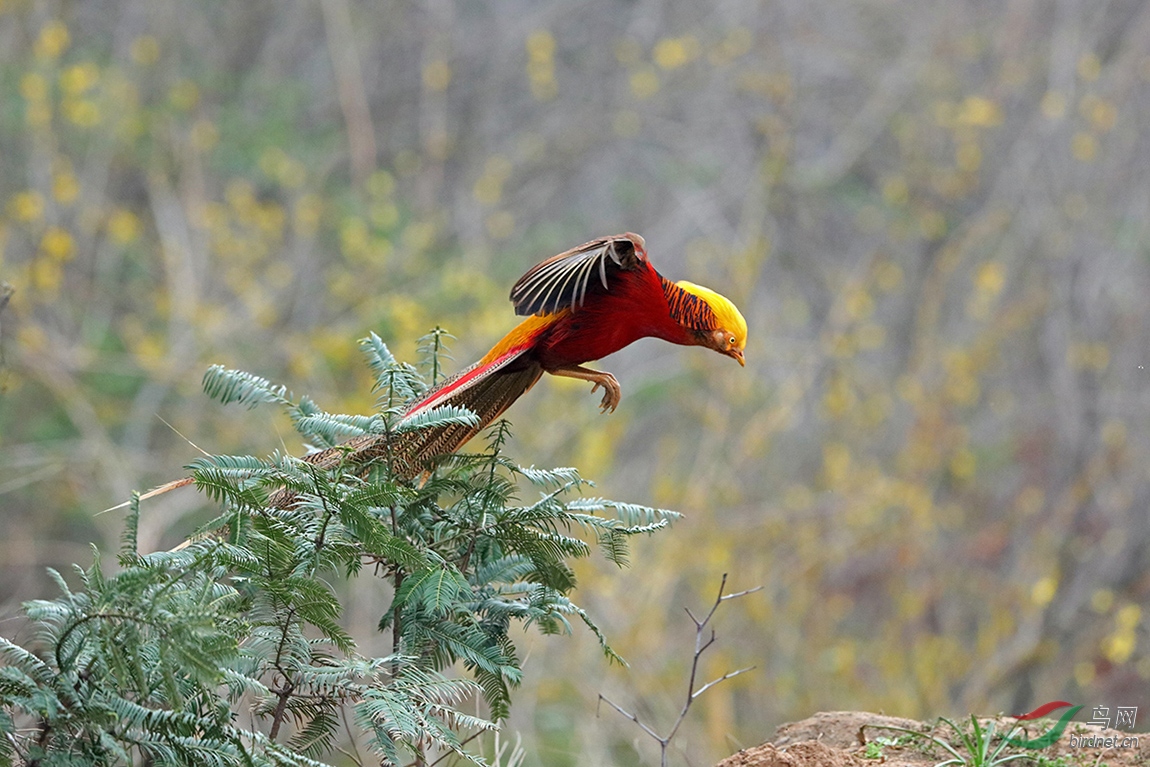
738 354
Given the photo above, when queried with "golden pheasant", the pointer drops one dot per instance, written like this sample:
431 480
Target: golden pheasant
583 304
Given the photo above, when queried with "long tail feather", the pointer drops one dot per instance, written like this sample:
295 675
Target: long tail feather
488 398
486 389
164 488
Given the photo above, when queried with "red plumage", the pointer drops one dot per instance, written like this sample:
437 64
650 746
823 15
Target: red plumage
583 304
586 303
635 307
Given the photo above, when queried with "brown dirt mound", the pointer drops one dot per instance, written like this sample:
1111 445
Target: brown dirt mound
798 755
841 739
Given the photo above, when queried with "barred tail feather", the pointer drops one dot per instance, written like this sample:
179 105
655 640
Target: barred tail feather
486 389
488 397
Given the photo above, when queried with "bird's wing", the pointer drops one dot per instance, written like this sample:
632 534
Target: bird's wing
564 280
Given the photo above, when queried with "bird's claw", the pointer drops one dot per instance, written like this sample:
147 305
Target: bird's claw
612 392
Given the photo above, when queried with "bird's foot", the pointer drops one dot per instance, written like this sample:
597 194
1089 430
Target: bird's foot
612 392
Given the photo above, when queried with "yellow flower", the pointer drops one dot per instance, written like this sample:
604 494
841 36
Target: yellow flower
1119 646
990 278
1089 67
674 52
53 40
123 226
888 276
384 215
1044 590
736 44
46 275
541 64
270 218
27 206
81 112
980 112
859 304
963 464
895 190
871 336
79 78
204 135
1129 616
1053 105
308 209
489 187
354 237
38 114
836 463
968 157
381 183
540 45
57 244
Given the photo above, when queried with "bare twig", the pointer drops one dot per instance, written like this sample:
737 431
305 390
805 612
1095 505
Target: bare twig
702 642
629 715
351 739
446 754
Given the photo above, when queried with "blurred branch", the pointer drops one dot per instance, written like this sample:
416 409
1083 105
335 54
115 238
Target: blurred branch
869 123
352 94
6 292
81 411
702 642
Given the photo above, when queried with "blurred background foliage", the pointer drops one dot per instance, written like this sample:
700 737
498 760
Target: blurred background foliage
934 217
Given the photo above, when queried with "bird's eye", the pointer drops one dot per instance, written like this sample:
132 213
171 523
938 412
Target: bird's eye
731 341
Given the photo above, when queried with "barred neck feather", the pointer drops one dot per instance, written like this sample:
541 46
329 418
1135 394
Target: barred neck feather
699 308
688 309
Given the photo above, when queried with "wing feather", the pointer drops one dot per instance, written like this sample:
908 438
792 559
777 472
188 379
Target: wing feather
542 278
564 281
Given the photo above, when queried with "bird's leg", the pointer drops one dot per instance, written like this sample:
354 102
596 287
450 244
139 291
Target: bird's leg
612 392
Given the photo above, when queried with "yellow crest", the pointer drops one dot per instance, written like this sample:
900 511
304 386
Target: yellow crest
729 317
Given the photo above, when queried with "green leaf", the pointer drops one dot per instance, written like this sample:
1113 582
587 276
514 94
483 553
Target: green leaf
228 386
436 589
444 415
